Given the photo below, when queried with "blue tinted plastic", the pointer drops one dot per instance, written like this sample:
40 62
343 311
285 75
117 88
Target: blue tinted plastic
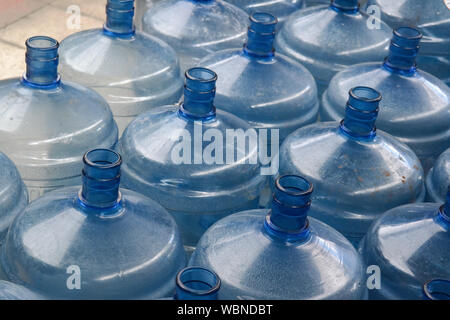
12 291
311 3
438 178
437 289
100 242
415 106
46 124
197 283
196 28
134 72
262 87
358 172
280 9
327 39
410 245
432 17
287 255
196 189
13 194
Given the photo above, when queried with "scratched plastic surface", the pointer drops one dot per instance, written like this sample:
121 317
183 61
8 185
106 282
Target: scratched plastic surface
327 39
46 123
280 253
358 171
196 28
133 71
438 178
12 291
97 243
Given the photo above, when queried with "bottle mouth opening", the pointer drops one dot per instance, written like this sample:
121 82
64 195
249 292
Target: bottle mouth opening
102 158
198 280
42 43
437 289
294 185
121 5
201 75
408 33
365 94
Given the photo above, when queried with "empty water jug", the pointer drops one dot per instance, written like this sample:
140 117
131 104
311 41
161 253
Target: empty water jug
267 89
280 8
13 194
359 172
12 291
416 105
410 246
327 39
196 28
46 123
437 289
193 159
281 253
438 178
432 17
133 71
100 242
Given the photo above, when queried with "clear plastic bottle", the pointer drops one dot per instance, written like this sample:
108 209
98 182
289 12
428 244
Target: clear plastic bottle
13 194
437 289
410 246
359 172
46 123
95 243
133 71
416 105
438 178
281 253
12 291
169 155
327 39
432 17
262 87
196 28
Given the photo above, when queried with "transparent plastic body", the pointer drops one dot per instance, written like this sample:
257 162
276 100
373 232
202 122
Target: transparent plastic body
100 242
141 8
13 194
415 106
196 28
132 71
432 17
327 39
46 124
280 8
287 255
12 291
438 178
264 88
358 172
410 245
166 159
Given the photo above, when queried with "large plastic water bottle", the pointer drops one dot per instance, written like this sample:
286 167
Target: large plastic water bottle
193 159
196 28
100 242
432 17
281 253
12 291
410 246
416 105
327 39
133 71
438 178
359 172
267 89
46 123
13 194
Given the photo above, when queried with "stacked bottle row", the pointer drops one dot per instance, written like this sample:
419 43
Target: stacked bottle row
133 240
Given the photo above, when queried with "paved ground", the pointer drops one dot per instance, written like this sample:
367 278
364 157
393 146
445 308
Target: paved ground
21 19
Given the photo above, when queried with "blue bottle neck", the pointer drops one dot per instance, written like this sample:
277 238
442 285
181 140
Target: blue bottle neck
437 289
287 220
100 180
119 19
197 283
347 6
260 35
42 63
403 51
360 114
199 93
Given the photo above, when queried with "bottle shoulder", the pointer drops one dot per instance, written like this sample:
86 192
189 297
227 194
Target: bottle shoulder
281 9
438 178
12 291
271 261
